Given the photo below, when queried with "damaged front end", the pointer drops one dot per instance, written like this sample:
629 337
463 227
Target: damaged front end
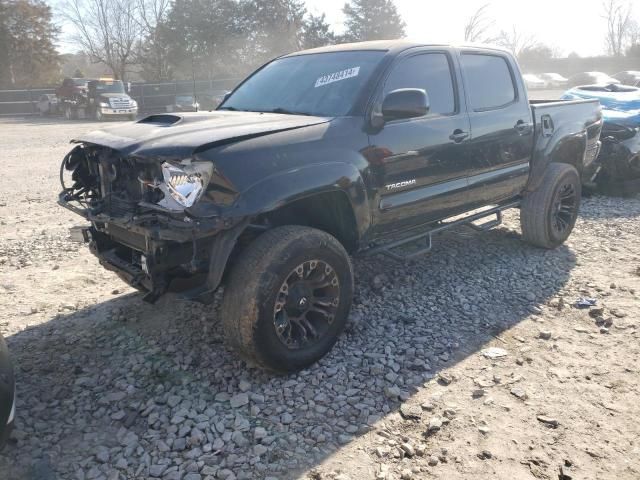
157 223
619 160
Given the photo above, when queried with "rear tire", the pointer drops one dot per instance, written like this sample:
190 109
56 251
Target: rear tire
288 298
548 215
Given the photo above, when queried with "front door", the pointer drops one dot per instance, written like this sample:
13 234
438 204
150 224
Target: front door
421 175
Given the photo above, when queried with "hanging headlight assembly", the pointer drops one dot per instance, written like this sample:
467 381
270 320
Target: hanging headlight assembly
184 183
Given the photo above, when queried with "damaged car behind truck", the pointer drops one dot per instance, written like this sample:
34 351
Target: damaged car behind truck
368 148
616 171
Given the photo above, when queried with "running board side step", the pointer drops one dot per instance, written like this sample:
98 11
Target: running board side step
387 248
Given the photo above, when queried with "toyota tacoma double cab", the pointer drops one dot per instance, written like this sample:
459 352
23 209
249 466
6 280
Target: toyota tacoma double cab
366 148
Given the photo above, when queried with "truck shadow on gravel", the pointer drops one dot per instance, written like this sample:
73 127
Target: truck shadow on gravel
128 390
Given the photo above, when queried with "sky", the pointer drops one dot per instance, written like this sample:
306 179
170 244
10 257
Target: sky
566 25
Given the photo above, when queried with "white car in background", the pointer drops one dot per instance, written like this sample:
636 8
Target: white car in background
554 80
47 104
591 78
533 81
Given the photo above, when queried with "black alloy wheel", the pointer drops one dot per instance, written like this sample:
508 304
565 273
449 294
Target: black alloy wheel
549 213
565 209
287 298
306 304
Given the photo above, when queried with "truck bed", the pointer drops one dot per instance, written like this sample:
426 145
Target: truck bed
557 119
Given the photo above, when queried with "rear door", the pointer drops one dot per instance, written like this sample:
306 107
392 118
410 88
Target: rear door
501 140
422 175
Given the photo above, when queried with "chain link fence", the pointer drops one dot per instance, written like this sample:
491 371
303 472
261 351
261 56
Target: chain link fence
151 97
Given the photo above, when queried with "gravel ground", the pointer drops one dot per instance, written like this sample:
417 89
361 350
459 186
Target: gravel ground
471 362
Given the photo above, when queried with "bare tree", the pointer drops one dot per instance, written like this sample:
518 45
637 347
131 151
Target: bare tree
617 13
516 41
634 33
476 28
153 54
152 13
107 30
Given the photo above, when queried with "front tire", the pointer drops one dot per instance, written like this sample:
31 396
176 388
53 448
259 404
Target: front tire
5 433
548 215
288 298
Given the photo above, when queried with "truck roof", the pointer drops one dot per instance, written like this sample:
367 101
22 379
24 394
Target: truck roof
392 46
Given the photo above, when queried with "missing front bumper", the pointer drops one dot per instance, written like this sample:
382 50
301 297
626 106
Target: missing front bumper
192 269
152 266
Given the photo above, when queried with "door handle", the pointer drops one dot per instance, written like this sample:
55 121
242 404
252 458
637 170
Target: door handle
522 127
458 135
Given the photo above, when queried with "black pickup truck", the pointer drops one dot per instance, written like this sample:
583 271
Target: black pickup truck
366 148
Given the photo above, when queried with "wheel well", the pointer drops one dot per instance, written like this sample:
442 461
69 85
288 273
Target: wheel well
330 212
570 152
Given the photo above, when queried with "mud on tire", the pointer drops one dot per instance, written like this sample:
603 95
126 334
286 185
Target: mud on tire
548 215
287 298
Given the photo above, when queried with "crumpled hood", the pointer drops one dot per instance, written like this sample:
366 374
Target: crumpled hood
181 135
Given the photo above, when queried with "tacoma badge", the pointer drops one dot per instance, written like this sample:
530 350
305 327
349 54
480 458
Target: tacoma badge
406 183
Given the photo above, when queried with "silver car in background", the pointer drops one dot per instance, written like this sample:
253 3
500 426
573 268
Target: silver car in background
533 82
48 104
554 80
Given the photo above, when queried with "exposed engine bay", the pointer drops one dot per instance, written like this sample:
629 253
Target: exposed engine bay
104 182
141 223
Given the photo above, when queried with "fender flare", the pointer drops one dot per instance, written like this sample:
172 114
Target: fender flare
278 190
560 148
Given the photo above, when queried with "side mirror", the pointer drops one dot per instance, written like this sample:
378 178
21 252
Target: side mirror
405 103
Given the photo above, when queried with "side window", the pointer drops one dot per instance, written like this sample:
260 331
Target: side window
488 81
429 71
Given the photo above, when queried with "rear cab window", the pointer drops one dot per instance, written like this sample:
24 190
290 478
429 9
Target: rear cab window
488 80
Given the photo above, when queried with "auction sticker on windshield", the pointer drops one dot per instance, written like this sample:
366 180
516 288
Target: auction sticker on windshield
337 76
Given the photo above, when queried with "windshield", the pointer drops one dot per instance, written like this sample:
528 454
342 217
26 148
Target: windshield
324 84
109 87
